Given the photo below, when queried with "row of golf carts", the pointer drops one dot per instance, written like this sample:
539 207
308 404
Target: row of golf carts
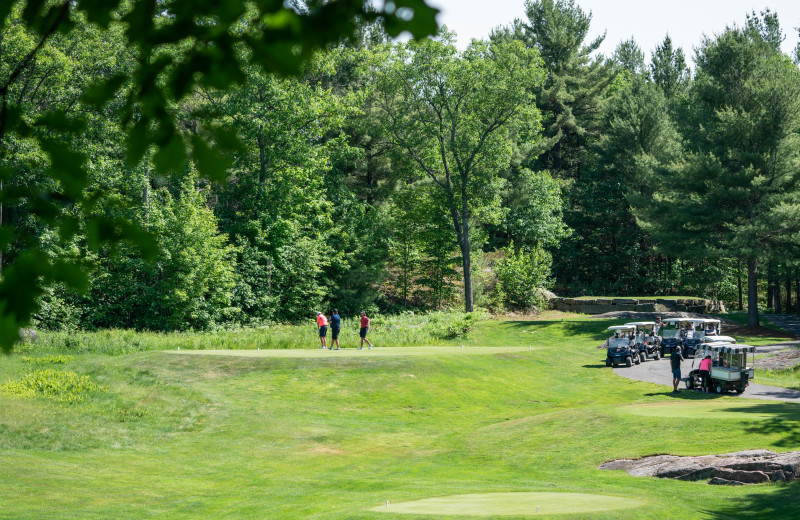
636 342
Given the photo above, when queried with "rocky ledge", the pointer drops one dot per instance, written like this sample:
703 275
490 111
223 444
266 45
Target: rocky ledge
743 467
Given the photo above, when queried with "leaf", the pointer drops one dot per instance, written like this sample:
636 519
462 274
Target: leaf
137 142
210 163
422 21
66 166
69 273
99 11
100 93
170 157
58 120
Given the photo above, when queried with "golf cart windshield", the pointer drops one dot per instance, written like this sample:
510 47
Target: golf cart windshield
670 333
618 342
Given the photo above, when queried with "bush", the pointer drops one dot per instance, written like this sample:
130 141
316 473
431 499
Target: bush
522 275
65 387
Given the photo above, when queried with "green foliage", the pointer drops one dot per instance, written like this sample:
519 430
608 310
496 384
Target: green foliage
460 141
522 275
169 51
48 360
62 386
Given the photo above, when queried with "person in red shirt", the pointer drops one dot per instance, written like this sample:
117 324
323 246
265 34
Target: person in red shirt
705 373
364 330
322 323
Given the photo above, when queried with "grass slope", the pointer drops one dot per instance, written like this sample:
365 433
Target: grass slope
186 437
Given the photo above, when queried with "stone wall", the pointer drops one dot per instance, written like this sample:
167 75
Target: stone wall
603 305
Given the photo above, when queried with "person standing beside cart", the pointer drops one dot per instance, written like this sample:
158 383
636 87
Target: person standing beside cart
705 373
675 362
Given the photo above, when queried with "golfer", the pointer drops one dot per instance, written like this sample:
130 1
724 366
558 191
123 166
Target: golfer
364 330
322 323
675 361
336 326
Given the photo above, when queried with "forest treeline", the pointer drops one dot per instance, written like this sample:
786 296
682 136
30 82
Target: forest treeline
404 176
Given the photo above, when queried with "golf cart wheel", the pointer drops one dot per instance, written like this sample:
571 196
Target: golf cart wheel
656 355
628 361
690 382
642 357
719 388
636 360
739 389
608 362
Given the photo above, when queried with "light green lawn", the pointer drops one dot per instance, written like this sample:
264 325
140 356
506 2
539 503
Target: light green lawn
332 437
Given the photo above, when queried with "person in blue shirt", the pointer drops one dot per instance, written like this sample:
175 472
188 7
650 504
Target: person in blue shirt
336 326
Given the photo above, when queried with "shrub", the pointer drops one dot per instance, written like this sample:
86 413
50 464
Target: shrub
62 386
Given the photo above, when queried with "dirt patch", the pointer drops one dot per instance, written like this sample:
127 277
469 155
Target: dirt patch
780 361
743 467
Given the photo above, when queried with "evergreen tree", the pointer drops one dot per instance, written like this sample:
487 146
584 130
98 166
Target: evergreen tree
668 69
736 193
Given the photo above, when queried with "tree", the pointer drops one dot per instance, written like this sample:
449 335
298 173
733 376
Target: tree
736 193
668 68
630 57
451 112
179 46
571 97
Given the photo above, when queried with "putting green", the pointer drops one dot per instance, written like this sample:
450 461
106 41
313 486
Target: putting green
718 409
352 352
517 504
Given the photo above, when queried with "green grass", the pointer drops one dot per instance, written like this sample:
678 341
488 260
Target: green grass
334 436
512 504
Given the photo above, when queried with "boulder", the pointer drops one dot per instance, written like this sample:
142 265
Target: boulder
646 307
625 307
746 467
28 335
626 301
679 307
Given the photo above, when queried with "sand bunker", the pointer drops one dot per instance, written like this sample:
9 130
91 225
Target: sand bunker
743 467
512 504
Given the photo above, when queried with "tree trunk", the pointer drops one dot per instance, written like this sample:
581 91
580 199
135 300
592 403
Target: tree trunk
752 292
788 288
466 263
776 294
739 279
770 286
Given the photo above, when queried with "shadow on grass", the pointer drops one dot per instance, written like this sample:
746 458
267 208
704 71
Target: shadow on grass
687 395
601 365
767 501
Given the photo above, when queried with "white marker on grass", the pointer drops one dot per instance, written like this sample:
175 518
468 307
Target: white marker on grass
387 503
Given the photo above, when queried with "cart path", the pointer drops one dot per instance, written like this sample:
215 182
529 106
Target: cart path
659 372
790 322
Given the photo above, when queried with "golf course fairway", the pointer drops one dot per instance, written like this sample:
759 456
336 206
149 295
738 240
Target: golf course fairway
721 408
352 352
516 504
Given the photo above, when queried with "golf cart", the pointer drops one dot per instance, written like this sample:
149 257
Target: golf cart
694 334
671 335
646 341
731 367
621 346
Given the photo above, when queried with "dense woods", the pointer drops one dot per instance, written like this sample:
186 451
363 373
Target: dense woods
160 187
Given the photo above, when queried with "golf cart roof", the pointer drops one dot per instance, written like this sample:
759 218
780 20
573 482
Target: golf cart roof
641 323
719 339
677 320
703 320
730 348
621 327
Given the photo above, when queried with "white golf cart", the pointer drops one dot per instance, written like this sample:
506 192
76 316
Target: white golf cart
621 346
646 341
731 367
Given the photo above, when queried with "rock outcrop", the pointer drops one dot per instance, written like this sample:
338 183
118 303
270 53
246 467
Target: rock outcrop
743 467
604 305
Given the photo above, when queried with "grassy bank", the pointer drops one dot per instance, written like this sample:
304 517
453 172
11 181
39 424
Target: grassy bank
183 437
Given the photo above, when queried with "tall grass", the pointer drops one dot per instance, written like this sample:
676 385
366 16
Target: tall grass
434 328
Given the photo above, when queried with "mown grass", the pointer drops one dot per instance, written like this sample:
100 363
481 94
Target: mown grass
186 437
